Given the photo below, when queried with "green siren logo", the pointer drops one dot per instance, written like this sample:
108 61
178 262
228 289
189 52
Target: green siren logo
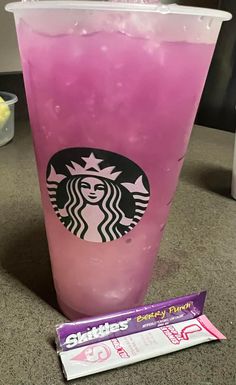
99 196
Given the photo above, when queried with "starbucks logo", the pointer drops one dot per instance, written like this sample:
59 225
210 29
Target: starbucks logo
98 195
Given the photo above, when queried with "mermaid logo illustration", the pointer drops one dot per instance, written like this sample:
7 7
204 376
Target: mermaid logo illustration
99 196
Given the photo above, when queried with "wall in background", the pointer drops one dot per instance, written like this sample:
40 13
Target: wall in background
9 56
200 3
217 107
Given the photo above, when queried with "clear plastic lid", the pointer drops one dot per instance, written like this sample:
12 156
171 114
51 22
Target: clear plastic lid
8 98
118 6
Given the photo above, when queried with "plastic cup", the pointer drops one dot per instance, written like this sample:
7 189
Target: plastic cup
112 91
7 117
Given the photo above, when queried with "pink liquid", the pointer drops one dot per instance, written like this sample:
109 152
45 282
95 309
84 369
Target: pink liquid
132 96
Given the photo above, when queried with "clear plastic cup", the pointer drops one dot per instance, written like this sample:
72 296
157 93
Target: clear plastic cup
113 91
7 117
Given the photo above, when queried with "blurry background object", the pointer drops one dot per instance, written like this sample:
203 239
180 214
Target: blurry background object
7 117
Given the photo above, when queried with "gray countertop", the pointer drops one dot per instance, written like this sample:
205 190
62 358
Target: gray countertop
198 252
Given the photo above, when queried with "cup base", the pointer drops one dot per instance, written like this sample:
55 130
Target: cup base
69 312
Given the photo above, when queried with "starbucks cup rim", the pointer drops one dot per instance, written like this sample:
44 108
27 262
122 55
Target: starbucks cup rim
119 6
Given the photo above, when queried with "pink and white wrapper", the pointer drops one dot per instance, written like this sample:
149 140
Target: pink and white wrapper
132 348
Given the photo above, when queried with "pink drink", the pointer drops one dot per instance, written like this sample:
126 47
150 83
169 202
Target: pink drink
111 99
